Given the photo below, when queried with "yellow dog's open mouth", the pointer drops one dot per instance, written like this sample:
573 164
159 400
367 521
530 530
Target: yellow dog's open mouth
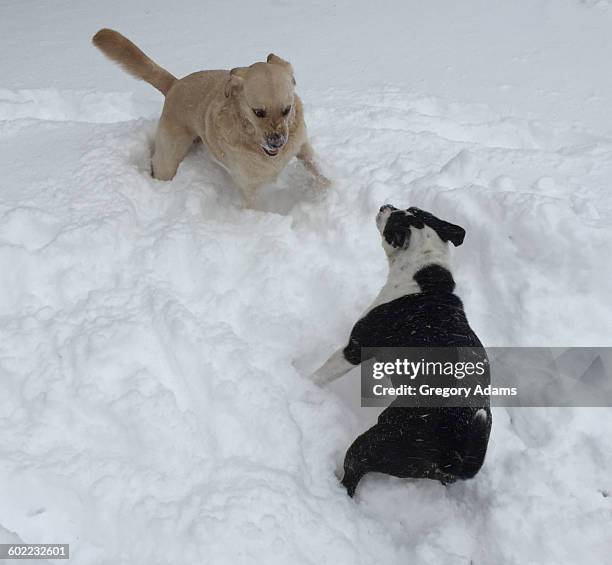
270 152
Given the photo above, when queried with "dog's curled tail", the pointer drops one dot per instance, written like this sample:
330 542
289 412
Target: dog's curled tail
121 50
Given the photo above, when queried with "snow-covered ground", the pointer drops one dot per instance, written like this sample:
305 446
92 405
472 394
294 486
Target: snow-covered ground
155 338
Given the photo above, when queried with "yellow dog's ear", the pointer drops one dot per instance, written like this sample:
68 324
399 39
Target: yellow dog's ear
235 80
276 60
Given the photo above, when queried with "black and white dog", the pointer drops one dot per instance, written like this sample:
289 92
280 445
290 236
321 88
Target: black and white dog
415 308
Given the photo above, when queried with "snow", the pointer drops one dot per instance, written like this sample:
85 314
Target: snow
155 338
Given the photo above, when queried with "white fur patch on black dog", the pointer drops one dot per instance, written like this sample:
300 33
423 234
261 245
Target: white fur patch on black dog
417 307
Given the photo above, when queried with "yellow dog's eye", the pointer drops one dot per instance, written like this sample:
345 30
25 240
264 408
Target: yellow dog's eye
259 113
286 110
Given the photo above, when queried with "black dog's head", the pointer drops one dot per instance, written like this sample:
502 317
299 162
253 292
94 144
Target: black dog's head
413 228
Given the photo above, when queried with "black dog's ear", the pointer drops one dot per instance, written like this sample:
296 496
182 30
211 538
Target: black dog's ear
397 229
445 230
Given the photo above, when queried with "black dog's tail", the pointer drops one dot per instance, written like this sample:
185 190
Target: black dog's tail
476 446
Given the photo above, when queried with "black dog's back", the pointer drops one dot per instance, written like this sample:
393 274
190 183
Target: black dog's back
433 317
446 443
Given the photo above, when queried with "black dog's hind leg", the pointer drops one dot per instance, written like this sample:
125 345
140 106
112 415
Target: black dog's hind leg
359 458
350 481
390 449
